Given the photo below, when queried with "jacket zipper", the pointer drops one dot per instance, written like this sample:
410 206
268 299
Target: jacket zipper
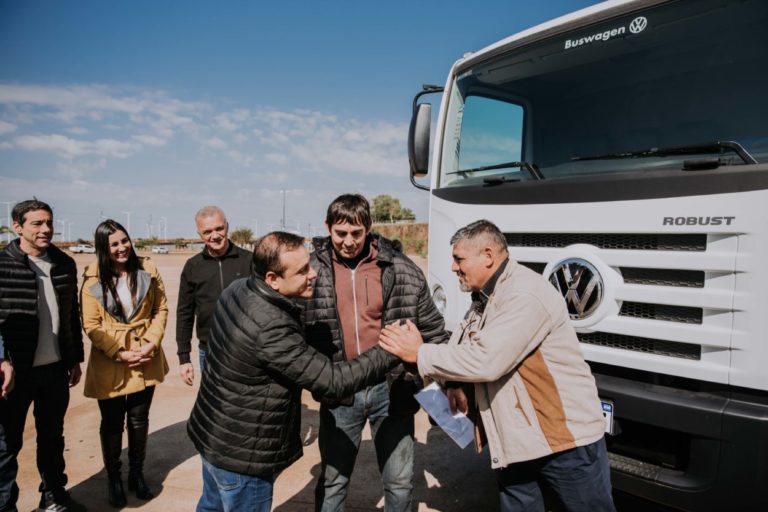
354 302
221 275
336 309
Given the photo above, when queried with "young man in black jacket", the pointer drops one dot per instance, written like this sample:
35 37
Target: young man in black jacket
246 420
203 278
363 283
41 348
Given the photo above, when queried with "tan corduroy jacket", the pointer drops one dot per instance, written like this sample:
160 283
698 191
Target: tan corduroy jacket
105 378
534 391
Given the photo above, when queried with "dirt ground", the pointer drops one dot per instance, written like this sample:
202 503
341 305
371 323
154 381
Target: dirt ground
447 478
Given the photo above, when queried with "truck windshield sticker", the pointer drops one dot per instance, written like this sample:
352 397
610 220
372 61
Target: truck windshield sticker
636 26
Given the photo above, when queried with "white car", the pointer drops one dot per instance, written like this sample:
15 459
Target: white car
158 249
82 248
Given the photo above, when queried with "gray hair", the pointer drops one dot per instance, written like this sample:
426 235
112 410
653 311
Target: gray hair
481 229
210 211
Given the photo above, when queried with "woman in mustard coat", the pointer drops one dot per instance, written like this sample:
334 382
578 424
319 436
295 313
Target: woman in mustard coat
124 314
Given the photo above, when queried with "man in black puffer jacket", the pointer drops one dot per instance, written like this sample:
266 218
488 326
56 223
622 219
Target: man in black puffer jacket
363 283
41 347
246 420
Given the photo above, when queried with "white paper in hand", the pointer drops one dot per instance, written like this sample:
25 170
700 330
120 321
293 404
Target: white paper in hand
457 426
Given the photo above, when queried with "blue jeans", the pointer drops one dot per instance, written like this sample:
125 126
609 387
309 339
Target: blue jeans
202 360
225 491
340 433
580 477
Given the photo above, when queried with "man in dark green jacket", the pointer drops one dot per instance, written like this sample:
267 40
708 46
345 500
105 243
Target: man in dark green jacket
203 278
246 420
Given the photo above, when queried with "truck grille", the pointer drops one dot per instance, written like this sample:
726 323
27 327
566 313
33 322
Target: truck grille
641 242
663 312
642 303
663 277
647 276
646 345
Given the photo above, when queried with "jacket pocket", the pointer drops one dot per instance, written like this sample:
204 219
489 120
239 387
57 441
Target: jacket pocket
520 411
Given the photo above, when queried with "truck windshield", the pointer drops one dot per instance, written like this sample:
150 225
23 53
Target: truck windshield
630 94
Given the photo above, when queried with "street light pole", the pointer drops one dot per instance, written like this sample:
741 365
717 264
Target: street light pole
69 230
8 212
282 220
128 227
63 228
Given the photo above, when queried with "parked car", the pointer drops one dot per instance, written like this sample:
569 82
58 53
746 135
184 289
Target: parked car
83 248
158 249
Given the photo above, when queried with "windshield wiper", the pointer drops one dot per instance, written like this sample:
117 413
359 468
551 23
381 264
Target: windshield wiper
531 169
701 149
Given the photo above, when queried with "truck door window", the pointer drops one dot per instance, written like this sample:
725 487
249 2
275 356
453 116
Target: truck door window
489 133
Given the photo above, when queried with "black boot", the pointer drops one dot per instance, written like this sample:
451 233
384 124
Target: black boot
137 450
111 446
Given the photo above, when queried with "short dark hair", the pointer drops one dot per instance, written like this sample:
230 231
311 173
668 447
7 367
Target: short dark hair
481 229
20 210
267 250
351 208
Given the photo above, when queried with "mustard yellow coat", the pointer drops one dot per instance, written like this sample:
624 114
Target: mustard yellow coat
105 378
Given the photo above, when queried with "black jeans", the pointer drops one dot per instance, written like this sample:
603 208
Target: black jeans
48 388
135 406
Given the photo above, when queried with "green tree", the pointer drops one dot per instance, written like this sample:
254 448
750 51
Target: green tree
146 242
386 208
180 243
241 236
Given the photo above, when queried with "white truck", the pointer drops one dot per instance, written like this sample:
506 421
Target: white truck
623 151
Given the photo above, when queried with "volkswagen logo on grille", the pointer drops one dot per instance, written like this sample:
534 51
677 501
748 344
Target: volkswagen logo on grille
580 284
638 24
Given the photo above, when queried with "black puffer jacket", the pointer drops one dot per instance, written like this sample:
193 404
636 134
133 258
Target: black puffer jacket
406 297
18 307
247 415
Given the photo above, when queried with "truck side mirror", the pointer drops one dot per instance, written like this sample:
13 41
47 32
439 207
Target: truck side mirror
418 140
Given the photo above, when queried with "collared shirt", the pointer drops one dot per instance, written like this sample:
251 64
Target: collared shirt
480 298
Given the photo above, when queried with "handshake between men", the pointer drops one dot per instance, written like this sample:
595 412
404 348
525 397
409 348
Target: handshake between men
535 394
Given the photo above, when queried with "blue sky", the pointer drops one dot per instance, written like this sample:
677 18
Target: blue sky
159 108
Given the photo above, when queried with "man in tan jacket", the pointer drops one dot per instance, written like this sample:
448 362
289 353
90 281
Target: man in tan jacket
534 392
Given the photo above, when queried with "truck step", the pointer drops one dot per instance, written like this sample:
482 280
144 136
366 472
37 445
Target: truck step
634 466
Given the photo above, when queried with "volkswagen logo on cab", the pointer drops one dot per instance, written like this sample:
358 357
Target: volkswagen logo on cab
580 284
638 24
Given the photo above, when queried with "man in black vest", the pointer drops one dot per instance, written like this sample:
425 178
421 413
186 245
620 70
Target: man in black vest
41 348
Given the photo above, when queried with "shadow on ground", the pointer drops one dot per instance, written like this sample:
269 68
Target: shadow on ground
167 448
446 478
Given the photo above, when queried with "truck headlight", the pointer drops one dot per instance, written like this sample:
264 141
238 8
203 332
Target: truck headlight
438 296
